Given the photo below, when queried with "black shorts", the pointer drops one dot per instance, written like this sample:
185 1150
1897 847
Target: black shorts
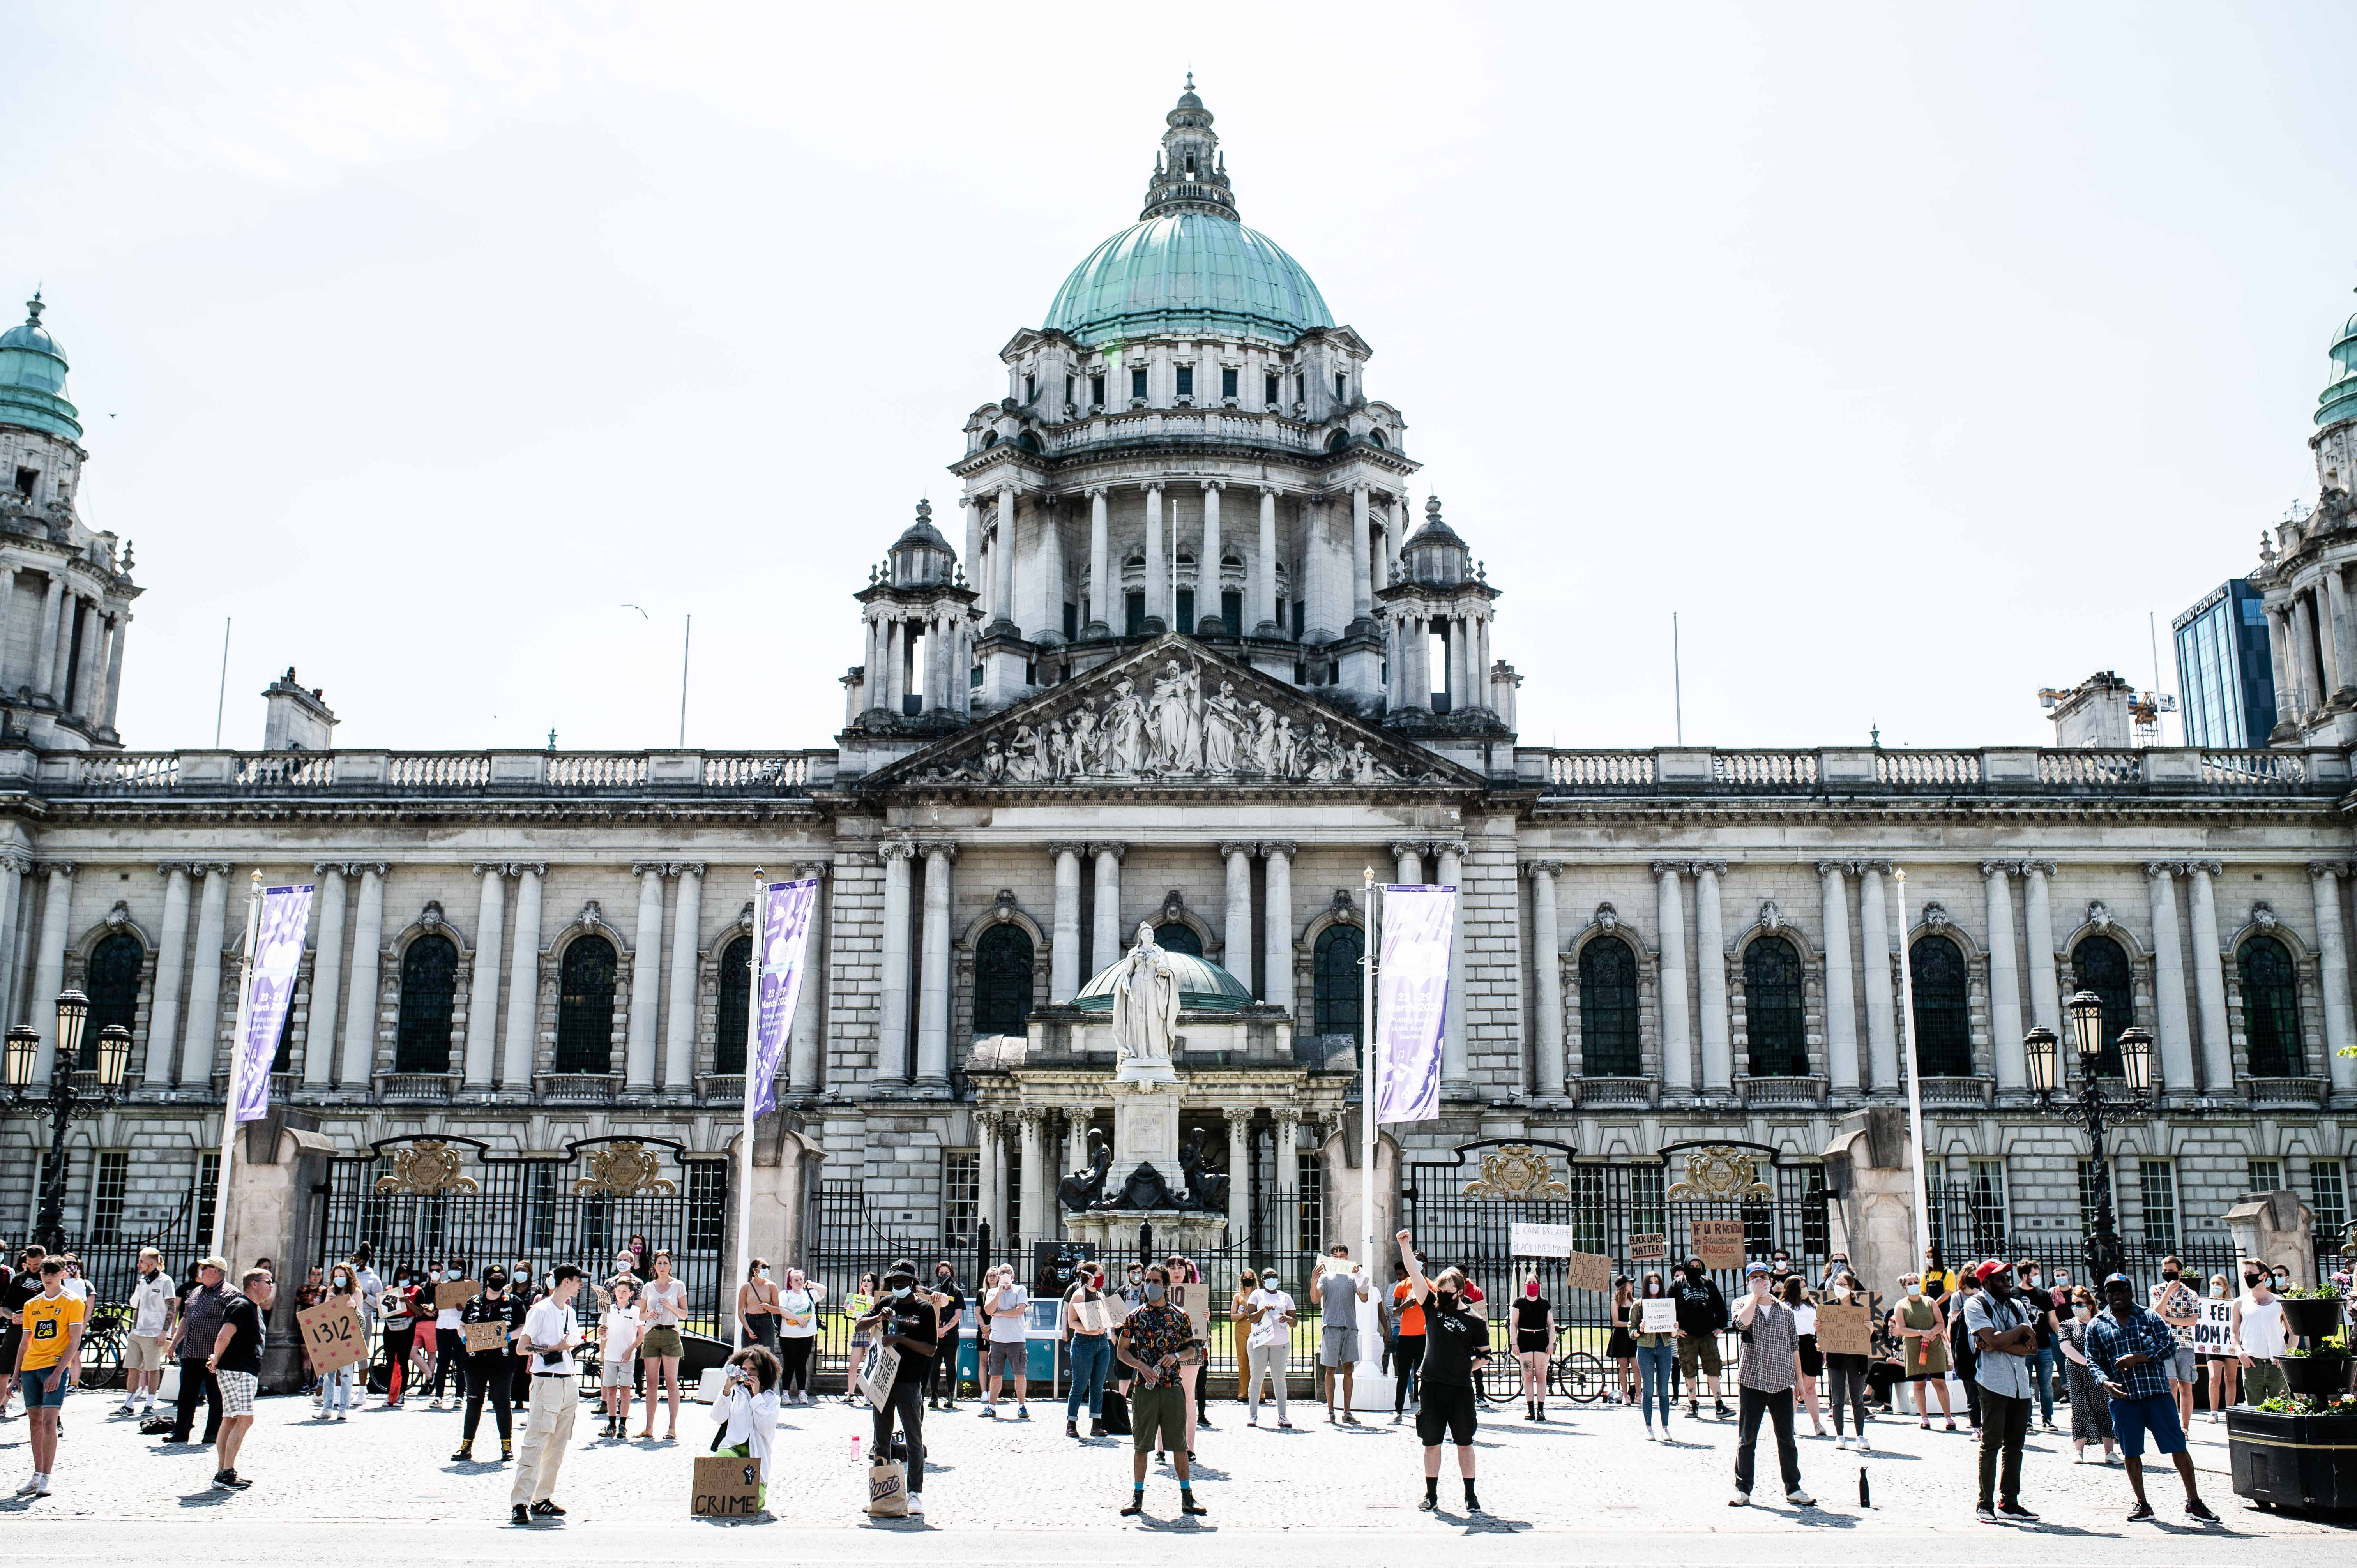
1445 1409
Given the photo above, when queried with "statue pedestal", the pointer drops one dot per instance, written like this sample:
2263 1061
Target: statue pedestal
1116 1231
1145 1120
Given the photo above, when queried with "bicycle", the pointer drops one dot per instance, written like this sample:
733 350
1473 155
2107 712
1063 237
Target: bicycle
102 1347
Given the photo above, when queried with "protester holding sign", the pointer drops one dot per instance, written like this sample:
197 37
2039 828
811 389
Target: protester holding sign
1008 1305
2175 1303
1455 1341
1270 1352
908 1323
1656 1330
399 1305
1338 1286
1921 1331
487 1323
1087 1325
1844 1334
449 1343
747 1412
341 1391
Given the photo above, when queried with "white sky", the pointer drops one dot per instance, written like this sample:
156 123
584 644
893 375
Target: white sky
1911 357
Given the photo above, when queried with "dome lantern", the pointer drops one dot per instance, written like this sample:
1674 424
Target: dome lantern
2338 401
33 378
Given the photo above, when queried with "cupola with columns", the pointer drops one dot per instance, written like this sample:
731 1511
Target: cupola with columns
1436 615
2305 571
919 618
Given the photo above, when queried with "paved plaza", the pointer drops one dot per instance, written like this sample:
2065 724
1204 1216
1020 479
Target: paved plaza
1570 1488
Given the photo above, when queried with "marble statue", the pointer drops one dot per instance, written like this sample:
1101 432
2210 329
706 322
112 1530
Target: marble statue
1145 1001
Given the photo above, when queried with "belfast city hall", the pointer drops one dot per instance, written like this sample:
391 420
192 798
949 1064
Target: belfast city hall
1194 654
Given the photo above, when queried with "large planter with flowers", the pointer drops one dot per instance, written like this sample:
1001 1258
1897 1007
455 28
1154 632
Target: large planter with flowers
2320 1372
2303 1455
2315 1317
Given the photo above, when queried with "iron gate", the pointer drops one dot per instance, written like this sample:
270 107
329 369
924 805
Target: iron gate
417 1201
1462 1212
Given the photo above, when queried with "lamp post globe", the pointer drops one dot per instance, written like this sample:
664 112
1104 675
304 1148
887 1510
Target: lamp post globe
23 1049
114 1055
2040 1050
2083 1017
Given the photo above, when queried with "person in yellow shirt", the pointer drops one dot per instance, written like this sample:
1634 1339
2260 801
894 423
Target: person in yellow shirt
48 1361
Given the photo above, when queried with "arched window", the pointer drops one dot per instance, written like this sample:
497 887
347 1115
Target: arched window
2271 1009
1002 980
733 1009
1772 1004
1178 935
430 990
1608 1009
1335 981
1339 441
1943 1033
113 986
585 1007
2101 965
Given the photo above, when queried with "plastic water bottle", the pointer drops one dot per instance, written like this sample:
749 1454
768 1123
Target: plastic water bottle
854 1450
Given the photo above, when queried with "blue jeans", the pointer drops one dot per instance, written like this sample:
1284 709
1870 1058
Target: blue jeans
2041 1372
1654 1365
1091 1360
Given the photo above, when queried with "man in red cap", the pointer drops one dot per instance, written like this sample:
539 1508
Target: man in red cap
2003 1334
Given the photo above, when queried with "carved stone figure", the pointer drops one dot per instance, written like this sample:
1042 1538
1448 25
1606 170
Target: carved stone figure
1264 739
1206 1189
1145 1000
1144 1187
1282 755
1321 759
1083 1188
994 762
1125 726
1177 745
1023 765
1223 729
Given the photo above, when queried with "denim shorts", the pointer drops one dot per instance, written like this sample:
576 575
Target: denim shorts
45 1387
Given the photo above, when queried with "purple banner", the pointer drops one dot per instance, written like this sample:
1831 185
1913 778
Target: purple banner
277 955
786 911
1412 1001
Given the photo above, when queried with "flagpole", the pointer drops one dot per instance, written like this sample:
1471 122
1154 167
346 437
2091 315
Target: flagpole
1367 1081
1914 1091
236 1060
752 1062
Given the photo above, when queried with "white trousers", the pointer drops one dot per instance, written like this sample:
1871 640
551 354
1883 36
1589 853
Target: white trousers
547 1433
1272 1361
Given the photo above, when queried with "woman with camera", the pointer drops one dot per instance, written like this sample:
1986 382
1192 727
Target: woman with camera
748 1411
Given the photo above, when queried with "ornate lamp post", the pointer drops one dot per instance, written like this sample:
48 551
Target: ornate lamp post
2083 1017
65 1100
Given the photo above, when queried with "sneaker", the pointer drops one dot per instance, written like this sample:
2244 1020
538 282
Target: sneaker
1694 1411
916 1506
1800 1499
1429 1505
1985 1514
2139 1513
1719 1408
2196 1508
128 1407
1739 1500
1650 1436
520 1515
546 1508
2080 1458
1022 1412
989 1412
31 1489
2016 1512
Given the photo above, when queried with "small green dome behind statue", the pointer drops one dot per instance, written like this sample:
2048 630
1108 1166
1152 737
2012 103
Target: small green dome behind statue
1203 986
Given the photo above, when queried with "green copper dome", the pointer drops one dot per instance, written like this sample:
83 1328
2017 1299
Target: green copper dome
33 379
2339 400
1188 272
1203 986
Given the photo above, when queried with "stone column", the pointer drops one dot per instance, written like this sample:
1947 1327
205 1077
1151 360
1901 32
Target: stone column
2168 980
201 1033
1710 975
892 1011
114 667
1263 614
990 1134
1841 997
1546 952
802 1047
1409 856
483 995
1047 570
1239 1179
934 992
1881 1005
1157 573
46 672
679 1023
15 864
326 977
1677 1036
171 965
1002 563
524 984
1104 945
2344 635
62 678
971 507
1207 568
1104 592
2303 655
1362 601
2005 979
86 665
49 965
1285 1212
2279 641
646 980
1276 923
1236 933
360 1010
1481 683
2210 981
1456 1083
2332 953
1064 978
2038 912
1385 545
1026 1121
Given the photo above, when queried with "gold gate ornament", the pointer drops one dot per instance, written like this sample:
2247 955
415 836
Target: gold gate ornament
1515 1171
1721 1174
623 1170
427 1169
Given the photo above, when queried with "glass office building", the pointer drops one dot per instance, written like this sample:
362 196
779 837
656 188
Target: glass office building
2225 669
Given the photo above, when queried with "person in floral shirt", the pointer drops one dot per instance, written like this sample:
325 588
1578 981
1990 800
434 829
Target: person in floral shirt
1153 1341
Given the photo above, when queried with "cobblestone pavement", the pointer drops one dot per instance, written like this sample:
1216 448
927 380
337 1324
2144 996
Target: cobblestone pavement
1588 1472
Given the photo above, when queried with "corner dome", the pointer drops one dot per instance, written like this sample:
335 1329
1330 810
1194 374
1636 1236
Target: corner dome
1203 987
2338 401
33 378
1188 272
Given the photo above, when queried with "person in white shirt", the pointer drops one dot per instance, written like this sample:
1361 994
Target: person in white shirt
2260 1334
747 1409
450 1335
617 1338
1270 1348
1008 1304
152 1308
797 1335
550 1333
662 1304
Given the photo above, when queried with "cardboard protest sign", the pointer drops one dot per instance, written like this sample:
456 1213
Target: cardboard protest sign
1588 1270
1195 1301
877 1372
1102 1315
332 1333
1539 1240
2214 1334
1718 1242
454 1292
1657 1314
484 1336
1845 1330
1649 1249
726 1488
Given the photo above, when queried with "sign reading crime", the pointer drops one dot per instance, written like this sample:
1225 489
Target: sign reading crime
1845 1330
1718 1242
332 1333
1649 1249
726 1488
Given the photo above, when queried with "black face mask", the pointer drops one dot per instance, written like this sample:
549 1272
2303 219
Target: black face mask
2168 1273
1446 1300
2253 1279
1694 1276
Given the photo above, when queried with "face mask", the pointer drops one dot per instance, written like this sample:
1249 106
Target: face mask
1531 1290
2168 1273
1694 1275
2083 1313
2282 1280
2253 1279
1154 1293
1652 1287
901 1290
1913 1291
1448 1300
